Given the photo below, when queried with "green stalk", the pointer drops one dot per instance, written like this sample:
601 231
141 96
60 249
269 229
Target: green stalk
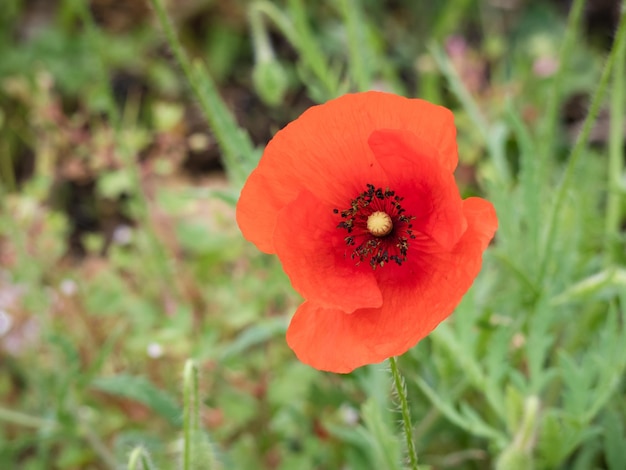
492 135
279 19
552 105
358 54
237 148
22 419
85 423
308 48
99 447
580 145
446 21
154 258
449 19
400 388
294 26
198 452
519 454
263 51
460 91
190 413
616 153
139 459
7 174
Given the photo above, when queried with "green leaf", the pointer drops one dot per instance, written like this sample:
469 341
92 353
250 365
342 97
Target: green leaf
606 283
254 335
614 439
240 155
143 391
384 443
559 437
467 419
197 239
115 183
201 453
103 354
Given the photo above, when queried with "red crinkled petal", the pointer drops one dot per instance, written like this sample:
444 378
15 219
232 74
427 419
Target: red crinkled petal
430 192
326 150
311 248
328 339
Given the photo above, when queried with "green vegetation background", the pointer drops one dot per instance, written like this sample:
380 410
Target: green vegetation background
120 258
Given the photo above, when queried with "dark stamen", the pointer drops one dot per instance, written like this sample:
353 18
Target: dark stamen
377 250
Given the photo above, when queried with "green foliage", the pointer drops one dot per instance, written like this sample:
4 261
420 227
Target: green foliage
142 391
139 459
120 259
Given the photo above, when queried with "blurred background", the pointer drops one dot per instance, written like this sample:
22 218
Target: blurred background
120 257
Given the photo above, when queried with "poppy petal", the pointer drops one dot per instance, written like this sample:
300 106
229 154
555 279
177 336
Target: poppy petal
256 219
331 139
330 340
311 250
415 171
437 282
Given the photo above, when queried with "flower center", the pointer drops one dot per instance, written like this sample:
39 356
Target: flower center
379 224
378 230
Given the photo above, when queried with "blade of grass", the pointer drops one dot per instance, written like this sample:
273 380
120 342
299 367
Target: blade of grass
579 147
237 147
124 121
616 154
22 419
530 186
447 21
461 92
279 19
7 175
494 136
297 31
360 56
191 410
551 118
88 430
309 49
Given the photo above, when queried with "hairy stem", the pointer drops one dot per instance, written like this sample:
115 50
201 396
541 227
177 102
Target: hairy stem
191 410
398 382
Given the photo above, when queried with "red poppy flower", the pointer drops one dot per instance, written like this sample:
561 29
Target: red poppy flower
358 200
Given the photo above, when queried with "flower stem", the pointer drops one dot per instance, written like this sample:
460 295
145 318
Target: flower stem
398 382
191 410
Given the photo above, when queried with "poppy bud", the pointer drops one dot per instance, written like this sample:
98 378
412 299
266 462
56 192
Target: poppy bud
270 81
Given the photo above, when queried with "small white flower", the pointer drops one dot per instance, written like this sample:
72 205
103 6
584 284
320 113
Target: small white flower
154 350
545 66
349 415
5 322
122 235
68 287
